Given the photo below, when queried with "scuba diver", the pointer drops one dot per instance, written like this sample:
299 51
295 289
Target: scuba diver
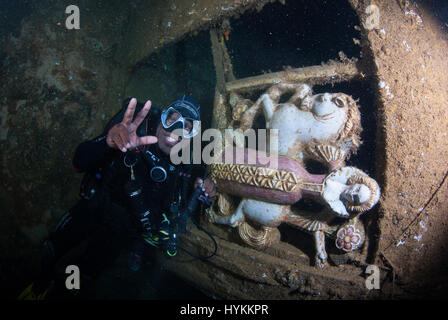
131 191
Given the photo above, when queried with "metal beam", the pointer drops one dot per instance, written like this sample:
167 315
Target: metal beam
327 73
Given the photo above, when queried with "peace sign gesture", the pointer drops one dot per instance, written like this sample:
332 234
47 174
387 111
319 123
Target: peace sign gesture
123 135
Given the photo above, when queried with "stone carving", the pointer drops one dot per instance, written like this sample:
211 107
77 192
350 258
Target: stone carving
324 127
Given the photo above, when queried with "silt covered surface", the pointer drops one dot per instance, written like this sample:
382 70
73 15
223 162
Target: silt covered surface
410 56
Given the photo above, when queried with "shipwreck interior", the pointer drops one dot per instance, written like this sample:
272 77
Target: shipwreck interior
260 43
257 43
73 83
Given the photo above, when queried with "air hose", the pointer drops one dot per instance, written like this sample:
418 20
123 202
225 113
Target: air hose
187 213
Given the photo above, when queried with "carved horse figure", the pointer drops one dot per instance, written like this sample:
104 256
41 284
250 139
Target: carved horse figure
325 127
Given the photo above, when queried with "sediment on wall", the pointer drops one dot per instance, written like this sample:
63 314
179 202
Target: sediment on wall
59 87
160 23
409 56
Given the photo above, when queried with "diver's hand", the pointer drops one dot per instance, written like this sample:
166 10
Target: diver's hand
208 187
123 135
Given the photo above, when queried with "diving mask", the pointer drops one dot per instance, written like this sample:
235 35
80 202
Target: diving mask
172 119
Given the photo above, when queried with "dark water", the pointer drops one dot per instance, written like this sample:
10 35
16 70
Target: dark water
300 33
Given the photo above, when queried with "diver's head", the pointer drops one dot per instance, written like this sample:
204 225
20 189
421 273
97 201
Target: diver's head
180 120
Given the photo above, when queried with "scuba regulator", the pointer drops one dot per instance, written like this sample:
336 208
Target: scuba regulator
159 168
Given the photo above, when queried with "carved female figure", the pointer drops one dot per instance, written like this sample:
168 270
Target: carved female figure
325 127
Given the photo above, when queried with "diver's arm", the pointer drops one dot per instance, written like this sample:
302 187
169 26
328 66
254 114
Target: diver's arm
92 154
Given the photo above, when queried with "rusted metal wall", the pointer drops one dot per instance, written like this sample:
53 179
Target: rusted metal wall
58 88
410 56
159 23
405 56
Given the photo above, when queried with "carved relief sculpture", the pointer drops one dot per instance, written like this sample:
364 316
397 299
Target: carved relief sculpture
324 127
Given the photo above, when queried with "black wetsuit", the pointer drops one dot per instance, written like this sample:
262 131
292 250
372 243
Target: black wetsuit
107 220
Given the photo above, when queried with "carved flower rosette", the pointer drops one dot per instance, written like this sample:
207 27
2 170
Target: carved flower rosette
349 238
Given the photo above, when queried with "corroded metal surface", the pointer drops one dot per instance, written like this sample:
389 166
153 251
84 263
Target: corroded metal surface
409 52
159 23
330 72
384 58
